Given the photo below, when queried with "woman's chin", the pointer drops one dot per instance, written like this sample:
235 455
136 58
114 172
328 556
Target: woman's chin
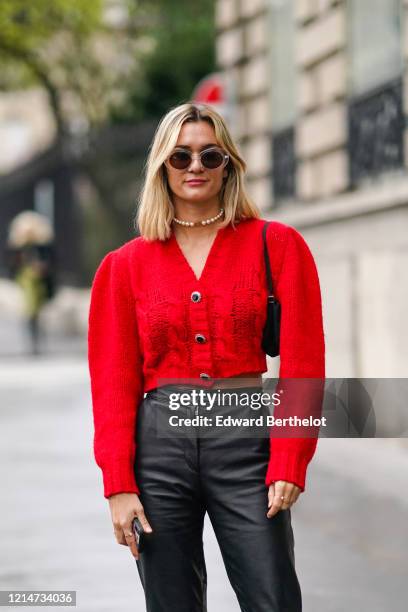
198 195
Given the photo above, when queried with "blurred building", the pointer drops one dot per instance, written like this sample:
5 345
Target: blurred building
56 175
60 184
321 98
26 126
44 183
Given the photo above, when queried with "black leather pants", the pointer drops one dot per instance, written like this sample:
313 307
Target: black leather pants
181 478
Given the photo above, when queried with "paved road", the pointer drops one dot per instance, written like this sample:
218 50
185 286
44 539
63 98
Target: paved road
351 526
15 342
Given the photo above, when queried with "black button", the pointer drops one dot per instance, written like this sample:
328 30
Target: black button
200 338
195 296
204 375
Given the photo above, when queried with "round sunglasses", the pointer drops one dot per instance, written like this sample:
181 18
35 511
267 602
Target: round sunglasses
209 158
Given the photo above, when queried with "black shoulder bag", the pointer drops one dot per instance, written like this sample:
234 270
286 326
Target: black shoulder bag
271 332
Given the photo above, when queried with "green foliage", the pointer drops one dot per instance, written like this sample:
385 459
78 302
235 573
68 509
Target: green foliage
26 25
162 50
182 53
40 41
99 71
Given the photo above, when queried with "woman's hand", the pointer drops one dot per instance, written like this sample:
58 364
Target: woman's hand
124 508
278 490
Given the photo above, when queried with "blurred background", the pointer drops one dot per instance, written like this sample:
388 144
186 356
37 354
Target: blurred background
315 93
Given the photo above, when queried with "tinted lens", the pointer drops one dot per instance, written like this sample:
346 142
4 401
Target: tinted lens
180 160
212 159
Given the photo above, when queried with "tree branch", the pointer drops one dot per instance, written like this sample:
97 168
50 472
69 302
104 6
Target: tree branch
41 72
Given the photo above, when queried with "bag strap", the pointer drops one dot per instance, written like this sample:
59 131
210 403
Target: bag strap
267 262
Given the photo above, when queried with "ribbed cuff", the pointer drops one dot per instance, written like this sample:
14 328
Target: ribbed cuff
119 477
287 466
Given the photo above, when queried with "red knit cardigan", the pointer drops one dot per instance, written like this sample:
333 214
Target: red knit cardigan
143 320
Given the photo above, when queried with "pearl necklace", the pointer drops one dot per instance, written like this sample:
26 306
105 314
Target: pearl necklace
204 222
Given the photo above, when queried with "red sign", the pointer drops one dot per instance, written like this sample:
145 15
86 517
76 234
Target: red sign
210 90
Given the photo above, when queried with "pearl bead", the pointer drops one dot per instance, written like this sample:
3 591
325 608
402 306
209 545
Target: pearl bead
204 222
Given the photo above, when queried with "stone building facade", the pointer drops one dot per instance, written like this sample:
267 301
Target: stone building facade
320 98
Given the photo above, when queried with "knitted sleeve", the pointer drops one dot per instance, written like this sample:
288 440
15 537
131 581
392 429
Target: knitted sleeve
302 352
115 373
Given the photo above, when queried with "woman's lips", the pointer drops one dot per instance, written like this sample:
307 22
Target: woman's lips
193 183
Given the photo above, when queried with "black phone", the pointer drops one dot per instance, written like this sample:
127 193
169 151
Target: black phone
140 534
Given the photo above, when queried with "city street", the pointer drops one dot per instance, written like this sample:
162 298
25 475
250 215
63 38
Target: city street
194 127
350 526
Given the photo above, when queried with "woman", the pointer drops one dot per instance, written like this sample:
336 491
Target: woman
186 301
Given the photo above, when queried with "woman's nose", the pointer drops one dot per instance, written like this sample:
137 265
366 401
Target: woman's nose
195 164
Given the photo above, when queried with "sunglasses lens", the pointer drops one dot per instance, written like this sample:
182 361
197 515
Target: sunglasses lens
212 159
180 160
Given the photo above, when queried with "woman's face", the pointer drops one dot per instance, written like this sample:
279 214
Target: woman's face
196 136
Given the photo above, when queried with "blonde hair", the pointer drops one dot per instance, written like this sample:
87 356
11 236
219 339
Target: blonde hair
155 208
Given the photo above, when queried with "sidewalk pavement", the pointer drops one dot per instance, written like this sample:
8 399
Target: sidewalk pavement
350 525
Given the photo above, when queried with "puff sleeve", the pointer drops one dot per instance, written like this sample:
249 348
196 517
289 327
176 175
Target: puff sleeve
115 370
302 354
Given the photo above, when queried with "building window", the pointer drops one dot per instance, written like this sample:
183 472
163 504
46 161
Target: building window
283 97
284 163
375 106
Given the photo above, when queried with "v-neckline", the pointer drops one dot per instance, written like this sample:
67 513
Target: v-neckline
210 256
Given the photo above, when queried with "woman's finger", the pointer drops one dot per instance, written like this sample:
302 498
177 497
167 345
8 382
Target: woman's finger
120 536
276 504
271 493
291 495
287 496
125 536
145 523
297 491
281 496
131 540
